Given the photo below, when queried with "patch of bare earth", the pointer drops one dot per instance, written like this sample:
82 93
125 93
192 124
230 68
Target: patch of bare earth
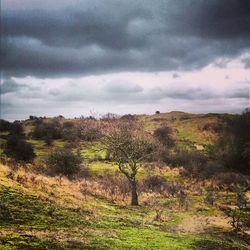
200 224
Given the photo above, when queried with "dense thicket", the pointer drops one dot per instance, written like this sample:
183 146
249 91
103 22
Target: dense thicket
233 146
4 125
17 148
44 130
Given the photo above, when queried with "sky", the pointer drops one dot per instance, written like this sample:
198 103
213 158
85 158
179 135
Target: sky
83 57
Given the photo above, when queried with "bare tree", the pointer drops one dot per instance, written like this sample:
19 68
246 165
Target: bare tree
128 147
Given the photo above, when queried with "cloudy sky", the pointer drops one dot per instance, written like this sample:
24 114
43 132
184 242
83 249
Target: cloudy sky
74 57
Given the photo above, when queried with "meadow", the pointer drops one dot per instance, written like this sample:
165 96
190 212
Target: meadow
180 207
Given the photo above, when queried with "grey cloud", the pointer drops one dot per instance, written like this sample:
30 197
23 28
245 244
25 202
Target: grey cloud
182 93
92 37
133 93
246 61
62 98
175 75
10 86
20 90
121 87
242 93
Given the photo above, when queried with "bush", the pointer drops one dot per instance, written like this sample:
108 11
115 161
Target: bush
155 183
44 130
88 130
4 125
212 168
233 147
235 219
210 197
192 161
17 148
70 131
183 199
163 134
64 161
16 128
231 178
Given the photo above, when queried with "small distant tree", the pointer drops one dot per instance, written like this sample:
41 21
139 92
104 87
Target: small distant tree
157 112
64 161
128 147
17 148
32 117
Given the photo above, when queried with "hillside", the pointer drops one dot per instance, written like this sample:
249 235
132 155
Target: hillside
182 206
189 130
41 212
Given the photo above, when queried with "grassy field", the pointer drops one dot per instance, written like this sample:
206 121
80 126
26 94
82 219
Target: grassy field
187 128
38 211
41 212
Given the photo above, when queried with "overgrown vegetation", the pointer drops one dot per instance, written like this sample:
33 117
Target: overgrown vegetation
64 161
189 173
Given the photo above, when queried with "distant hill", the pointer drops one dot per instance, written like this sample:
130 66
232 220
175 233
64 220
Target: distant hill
189 129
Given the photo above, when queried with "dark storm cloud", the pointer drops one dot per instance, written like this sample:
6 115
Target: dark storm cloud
53 39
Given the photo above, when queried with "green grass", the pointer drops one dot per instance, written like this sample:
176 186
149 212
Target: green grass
28 221
41 149
92 152
27 210
48 221
100 168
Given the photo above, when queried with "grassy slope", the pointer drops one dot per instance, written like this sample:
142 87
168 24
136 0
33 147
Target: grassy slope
187 127
39 212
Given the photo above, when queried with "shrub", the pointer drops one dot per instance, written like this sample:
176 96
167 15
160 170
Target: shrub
233 146
70 131
115 186
212 168
16 128
235 219
210 197
89 130
192 161
241 201
128 117
4 125
173 188
64 161
17 148
155 183
183 199
163 134
231 178
44 130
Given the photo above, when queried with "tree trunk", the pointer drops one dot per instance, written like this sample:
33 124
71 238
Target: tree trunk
134 195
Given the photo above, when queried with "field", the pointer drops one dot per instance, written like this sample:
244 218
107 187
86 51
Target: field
42 212
93 211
